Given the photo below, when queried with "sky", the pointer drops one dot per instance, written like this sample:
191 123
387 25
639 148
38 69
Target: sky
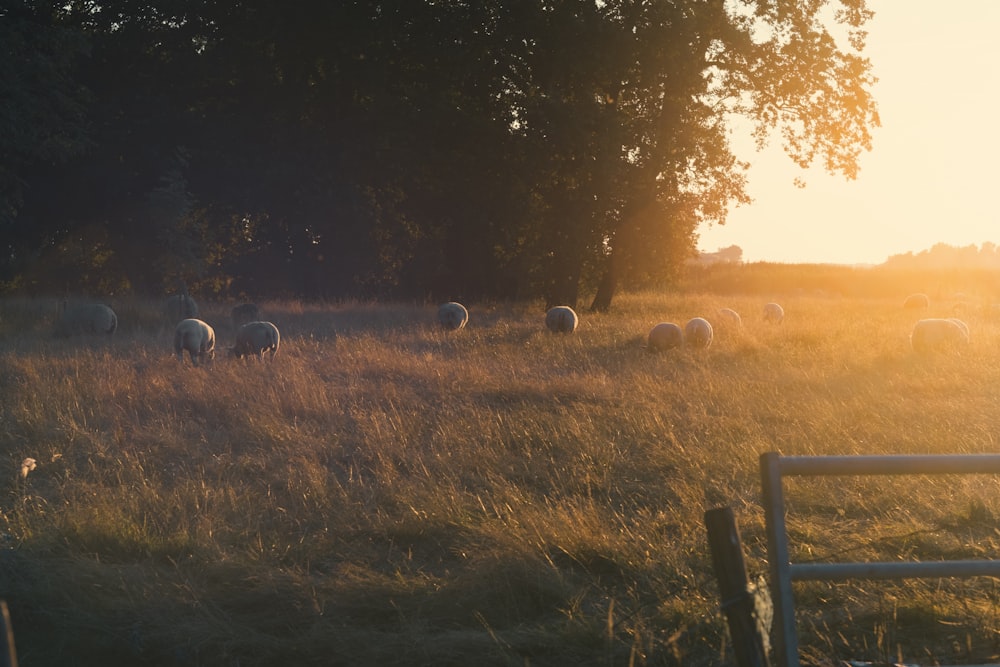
932 175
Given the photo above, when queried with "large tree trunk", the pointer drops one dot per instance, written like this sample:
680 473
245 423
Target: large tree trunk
605 289
622 243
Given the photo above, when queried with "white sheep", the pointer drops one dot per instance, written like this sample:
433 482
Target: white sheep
961 324
939 334
561 319
773 312
180 306
698 333
730 316
453 315
91 318
198 338
243 313
915 301
254 339
664 336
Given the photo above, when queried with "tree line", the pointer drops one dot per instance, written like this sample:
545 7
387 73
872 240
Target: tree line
402 148
985 256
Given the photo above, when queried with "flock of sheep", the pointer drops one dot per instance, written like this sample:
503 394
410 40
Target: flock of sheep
935 333
697 333
928 334
559 319
255 337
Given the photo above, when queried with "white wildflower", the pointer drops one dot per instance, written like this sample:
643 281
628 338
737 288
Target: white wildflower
27 465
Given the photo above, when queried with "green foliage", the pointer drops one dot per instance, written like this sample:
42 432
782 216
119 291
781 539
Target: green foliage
43 110
465 149
43 105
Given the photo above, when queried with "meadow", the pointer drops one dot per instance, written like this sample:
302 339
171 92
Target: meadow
389 493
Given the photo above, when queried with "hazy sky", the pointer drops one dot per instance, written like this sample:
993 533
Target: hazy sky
932 173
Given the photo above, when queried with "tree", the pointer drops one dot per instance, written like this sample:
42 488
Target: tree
630 101
42 111
412 148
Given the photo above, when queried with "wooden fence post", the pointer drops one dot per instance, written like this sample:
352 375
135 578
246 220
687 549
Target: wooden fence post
738 602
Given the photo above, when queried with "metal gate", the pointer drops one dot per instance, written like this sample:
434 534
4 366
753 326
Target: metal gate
773 467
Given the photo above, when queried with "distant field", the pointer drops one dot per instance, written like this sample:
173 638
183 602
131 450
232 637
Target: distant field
388 493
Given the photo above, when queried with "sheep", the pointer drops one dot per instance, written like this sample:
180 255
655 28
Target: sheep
773 312
664 336
916 301
698 333
453 315
243 313
731 316
939 334
561 319
180 306
91 318
961 324
197 337
254 339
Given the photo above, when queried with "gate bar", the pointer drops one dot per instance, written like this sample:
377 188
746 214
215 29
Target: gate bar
894 570
782 572
926 464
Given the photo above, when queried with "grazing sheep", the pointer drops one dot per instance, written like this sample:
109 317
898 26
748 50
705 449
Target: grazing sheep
91 318
961 324
731 316
664 336
453 315
198 338
939 334
773 312
254 339
561 319
915 301
180 306
243 313
698 333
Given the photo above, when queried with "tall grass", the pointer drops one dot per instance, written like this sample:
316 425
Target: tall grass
386 492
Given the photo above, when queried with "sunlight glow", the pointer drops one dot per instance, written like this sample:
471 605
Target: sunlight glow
930 176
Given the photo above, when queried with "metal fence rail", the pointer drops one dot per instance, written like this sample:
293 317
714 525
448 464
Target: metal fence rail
773 467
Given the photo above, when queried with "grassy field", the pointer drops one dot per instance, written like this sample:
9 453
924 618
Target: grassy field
388 493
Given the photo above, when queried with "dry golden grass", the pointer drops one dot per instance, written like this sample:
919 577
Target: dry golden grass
386 492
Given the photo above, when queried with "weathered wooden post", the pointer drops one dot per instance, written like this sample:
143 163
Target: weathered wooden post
738 602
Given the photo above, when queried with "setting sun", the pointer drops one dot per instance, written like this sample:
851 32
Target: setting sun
930 177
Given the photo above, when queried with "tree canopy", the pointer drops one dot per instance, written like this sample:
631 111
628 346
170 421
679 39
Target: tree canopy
403 148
